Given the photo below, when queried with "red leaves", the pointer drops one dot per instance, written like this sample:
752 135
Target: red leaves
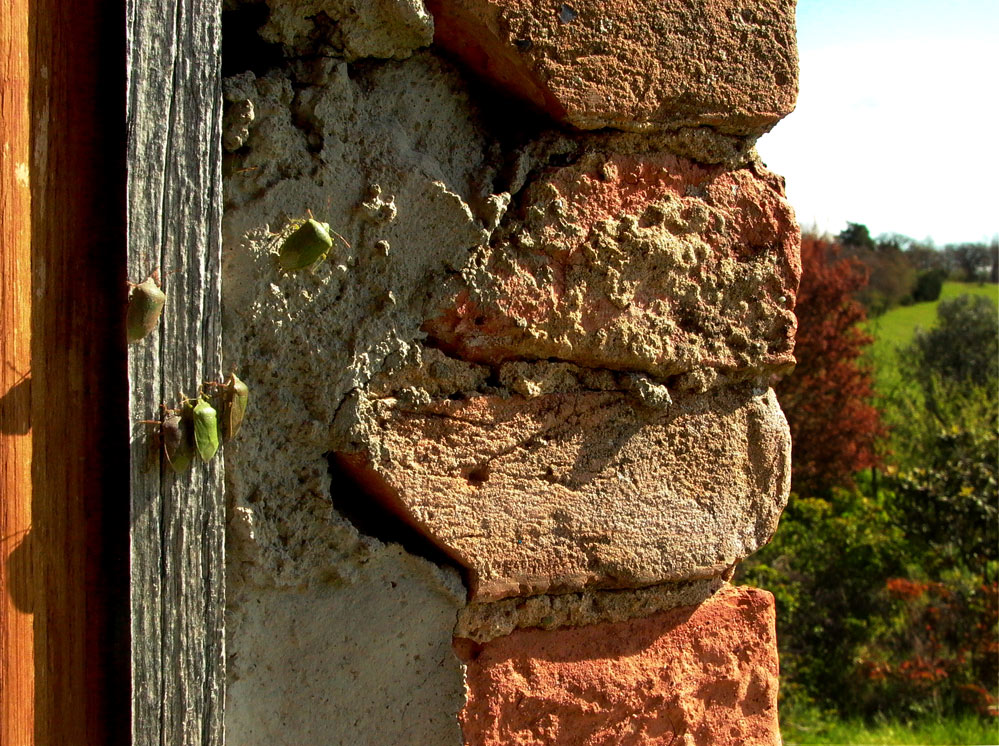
938 641
904 589
827 399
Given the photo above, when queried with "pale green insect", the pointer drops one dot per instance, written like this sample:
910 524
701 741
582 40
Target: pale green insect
145 304
204 419
309 243
238 400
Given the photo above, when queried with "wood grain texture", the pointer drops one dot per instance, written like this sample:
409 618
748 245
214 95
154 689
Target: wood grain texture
174 224
78 392
17 680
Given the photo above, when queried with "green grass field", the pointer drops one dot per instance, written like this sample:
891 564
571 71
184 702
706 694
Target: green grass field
897 326
894 329
969 731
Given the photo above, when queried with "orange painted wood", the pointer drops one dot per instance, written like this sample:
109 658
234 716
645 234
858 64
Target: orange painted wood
79 389
17 680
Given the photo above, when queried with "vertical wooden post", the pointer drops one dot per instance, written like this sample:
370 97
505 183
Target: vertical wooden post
79 530
174 223
17 695
110 164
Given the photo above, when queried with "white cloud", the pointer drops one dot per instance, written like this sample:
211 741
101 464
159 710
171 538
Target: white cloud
900 135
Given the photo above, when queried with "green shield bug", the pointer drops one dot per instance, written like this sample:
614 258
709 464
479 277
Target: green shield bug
233 398
145 304
206 429
176 437
307 245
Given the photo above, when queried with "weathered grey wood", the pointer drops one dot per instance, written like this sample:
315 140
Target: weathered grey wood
174 224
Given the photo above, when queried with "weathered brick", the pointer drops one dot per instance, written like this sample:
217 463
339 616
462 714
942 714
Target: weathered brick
698 675
633 64
647 262
565 491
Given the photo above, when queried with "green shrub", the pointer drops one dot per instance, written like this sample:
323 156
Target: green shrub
963 346
929 283
887 595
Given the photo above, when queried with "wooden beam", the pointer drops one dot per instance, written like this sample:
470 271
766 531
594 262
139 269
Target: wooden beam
174 224
84 193
17 680
79 529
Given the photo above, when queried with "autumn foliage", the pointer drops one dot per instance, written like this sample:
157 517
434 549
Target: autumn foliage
828 397
933 633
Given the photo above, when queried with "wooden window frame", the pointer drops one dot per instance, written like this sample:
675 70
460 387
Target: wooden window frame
111 621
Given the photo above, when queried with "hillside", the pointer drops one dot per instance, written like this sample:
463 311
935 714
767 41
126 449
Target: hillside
894 329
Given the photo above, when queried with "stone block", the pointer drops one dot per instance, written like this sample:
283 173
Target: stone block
482 622
566 491
369 662
633 64
351 29
701 675
647 262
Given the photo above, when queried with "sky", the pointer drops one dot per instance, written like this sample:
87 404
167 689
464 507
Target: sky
897 122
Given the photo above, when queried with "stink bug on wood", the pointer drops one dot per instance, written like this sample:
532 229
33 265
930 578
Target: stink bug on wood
177 437
233 398
205 424
145 304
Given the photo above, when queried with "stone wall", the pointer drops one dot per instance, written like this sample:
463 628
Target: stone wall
509 439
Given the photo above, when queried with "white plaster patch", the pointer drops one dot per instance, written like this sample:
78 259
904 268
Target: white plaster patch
366 663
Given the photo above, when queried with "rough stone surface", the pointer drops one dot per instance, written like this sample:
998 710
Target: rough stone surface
482 622
646 262
633 64
389 157
335 635
690 293
367 663
350 29
557 492
700 676
547 351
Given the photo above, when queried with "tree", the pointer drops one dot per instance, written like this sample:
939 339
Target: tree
891 278
944 494
856 235
887 602
947 398
970 262
827 399
964 345
896 241
923 257
826 566
949 504
994 256
929 284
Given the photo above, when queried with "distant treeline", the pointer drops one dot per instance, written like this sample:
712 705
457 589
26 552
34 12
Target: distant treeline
901 270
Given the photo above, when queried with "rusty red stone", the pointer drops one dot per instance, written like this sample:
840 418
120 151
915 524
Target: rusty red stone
699 675
648 262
